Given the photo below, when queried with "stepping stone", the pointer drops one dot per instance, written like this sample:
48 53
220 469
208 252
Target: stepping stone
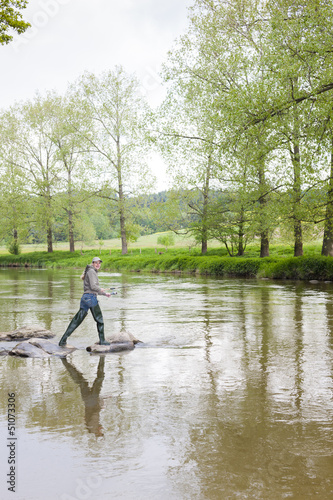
40 348
26 332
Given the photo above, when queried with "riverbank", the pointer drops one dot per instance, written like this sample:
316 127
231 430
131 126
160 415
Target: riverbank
275 267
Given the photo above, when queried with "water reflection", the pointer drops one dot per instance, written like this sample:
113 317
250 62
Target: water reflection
93 403
229 397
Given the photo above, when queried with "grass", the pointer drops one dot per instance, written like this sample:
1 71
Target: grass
148 243
146 255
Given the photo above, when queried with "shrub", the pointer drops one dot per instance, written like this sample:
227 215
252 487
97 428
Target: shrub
14 247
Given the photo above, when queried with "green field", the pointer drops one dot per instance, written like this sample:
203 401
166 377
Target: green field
147 241
183 243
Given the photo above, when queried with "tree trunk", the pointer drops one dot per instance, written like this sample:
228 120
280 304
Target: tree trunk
264 244
298 247
297 188
204 246
71 232
122 215
204 234
49 239
70 209
123 231
49 234
240 251
264 233
327 248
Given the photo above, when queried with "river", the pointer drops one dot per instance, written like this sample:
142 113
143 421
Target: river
229 395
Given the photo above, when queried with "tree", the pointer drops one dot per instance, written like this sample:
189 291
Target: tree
15 206
27 145
76 168
211 72
186 135
327 247
11 19
263 64
299 59
231 222
116 110
166 240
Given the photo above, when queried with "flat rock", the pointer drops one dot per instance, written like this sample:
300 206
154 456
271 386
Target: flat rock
122 341
52 349
113 347
27 332
40 348
27 350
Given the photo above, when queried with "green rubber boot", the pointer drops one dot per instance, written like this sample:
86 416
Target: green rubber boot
98 317
76 321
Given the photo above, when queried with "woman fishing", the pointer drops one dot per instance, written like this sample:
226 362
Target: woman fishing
91 289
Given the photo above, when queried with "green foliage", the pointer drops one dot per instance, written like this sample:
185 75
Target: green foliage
14 247
11 19
179 261
258 75
132 232
166 240
116 113
300 268
245 129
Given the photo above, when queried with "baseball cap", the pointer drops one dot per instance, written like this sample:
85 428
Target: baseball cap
97 259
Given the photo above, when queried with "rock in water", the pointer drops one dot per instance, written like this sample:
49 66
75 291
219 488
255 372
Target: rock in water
122 341
27 350
114 347
27 332
52 349
122 337
40 348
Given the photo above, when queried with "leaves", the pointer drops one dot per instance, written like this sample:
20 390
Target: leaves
11 19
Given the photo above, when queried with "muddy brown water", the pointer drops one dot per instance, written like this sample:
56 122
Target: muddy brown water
229 396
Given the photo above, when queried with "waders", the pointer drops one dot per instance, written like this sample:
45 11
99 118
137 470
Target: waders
77 320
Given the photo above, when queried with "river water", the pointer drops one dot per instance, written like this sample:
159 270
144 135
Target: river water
229 396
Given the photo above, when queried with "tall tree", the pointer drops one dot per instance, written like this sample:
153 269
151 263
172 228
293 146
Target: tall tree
186 136
76 168
15 206
117 112
262 63
27 132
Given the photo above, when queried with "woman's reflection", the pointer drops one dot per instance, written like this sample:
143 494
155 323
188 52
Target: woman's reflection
93 403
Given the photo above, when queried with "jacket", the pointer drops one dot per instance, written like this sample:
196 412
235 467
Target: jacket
90 281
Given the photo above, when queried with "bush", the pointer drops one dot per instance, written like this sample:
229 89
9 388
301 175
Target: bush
295 268
167 240
14 247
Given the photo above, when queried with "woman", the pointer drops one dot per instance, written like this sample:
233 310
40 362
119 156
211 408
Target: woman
91 289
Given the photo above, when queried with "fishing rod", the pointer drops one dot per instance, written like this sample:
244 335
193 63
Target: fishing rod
121 287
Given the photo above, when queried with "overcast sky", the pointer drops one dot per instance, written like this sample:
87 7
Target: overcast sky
68 37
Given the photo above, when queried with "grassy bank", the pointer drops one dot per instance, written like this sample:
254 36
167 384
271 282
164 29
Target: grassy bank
215 263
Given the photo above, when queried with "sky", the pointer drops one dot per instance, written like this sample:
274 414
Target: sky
69 37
